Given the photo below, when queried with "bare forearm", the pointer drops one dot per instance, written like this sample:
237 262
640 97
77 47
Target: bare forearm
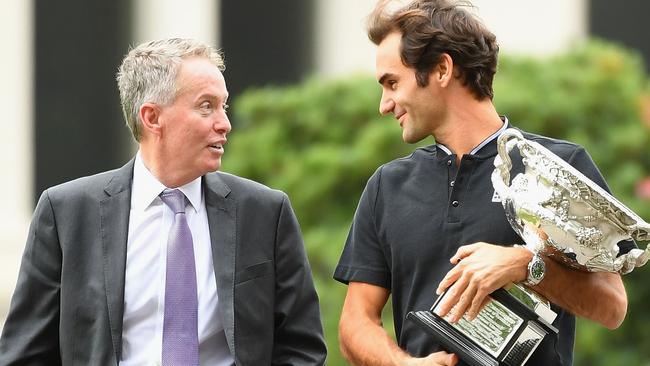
365 342
481 268
597 296
363 338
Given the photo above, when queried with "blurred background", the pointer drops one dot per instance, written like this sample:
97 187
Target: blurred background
305 110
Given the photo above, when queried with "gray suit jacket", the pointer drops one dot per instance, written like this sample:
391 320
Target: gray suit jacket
69 299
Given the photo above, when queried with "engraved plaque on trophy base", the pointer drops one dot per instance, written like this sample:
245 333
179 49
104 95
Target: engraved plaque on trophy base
505 332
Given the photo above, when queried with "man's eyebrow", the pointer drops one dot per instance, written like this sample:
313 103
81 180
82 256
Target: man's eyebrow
212 96
383 78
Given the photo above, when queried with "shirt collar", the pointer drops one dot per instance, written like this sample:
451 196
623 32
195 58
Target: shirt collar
483 143
146 187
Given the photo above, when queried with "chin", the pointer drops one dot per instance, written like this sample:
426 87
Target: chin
409 139
412 138
211 167
216 166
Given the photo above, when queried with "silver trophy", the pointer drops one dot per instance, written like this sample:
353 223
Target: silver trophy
559 213
563 214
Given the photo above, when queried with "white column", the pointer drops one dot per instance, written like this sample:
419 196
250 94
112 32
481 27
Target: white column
342 45
16 141
535 27
156 19
522 27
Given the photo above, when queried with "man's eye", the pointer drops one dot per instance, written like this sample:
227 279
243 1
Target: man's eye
225 107
392 84
206 105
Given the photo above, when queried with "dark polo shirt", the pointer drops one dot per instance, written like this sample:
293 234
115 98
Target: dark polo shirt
415 212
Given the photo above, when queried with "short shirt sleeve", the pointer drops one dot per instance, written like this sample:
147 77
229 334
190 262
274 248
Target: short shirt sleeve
363 258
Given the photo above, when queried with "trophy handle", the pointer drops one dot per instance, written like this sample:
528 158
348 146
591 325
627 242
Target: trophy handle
502 162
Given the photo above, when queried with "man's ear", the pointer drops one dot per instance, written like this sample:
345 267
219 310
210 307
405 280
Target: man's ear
150 117
444 71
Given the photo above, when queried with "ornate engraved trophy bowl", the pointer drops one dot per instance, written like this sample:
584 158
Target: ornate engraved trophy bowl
562 213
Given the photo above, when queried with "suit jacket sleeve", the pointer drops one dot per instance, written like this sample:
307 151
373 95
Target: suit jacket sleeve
31 331
298 331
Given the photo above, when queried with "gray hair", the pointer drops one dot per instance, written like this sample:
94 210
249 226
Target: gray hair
148 74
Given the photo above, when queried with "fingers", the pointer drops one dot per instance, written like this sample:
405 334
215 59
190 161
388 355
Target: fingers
451 277
457 271
478 271
452 360
469 302
457 299
468 298
441 358
451 297
473 299
465 300
477 306
463 252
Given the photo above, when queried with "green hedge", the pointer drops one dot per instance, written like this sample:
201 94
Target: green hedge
321 140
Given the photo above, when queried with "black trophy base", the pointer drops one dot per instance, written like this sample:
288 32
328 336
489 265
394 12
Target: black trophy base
451 339
505 333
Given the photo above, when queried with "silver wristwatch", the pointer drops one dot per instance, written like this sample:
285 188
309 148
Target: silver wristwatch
536 270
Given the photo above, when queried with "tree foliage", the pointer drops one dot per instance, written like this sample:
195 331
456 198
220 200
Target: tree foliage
321 140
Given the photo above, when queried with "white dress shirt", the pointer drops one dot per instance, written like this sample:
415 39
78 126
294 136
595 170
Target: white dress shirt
146 258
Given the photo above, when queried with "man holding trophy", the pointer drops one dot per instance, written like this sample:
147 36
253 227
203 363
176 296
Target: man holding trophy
432 222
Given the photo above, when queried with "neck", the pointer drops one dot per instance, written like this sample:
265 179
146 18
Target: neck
166 174
468 125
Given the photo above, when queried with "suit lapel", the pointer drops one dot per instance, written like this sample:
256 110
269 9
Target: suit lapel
221 212
114 214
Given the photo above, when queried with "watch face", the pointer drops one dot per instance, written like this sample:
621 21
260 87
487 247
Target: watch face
537 269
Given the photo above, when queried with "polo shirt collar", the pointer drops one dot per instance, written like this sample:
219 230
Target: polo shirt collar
485 149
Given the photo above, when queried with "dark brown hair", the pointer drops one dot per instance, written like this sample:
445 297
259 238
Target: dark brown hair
430 28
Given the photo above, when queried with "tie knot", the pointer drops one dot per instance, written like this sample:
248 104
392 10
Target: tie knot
174 199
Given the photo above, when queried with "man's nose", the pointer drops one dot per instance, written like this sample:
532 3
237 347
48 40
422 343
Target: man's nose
223 124
386 105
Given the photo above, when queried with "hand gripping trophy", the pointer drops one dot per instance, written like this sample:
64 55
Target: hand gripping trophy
559 213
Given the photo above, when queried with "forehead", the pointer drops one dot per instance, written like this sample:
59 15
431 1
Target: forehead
388 58
198 74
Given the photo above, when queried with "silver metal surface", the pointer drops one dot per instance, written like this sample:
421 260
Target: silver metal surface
563 214
533 301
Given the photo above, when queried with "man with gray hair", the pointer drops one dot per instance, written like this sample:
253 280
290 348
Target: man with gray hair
165 261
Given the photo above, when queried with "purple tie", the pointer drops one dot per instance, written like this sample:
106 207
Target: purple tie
180 341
